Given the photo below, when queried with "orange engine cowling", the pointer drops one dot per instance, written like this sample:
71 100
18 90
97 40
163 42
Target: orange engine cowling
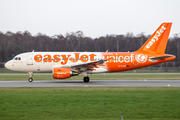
63 73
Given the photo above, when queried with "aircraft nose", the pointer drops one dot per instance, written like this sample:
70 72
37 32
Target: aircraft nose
7 65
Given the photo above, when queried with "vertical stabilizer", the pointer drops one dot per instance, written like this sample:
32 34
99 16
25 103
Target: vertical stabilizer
158 41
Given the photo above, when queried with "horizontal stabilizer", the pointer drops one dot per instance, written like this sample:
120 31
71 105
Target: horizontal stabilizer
160 58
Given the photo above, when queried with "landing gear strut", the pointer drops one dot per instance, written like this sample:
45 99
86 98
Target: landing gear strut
86 79
31 75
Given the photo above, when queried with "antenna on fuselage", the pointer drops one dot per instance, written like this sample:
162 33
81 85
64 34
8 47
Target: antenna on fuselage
106 50
33 51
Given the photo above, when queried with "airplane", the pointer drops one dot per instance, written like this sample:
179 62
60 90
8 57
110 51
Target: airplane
67 64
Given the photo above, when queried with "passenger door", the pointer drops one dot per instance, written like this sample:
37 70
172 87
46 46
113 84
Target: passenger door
29 59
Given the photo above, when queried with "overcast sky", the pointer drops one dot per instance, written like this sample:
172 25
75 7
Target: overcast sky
94 17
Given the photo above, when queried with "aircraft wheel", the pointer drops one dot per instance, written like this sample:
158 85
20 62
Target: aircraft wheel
86 79
30 79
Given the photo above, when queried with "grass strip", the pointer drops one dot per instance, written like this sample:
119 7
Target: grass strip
89 103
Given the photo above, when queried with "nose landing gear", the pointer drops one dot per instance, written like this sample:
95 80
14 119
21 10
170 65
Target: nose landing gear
31 75
30 79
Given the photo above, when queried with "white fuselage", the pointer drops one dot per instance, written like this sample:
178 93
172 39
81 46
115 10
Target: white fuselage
46 61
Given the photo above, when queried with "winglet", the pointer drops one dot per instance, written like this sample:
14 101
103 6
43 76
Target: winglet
158 41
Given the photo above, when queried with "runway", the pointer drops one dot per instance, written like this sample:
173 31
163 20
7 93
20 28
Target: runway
92 83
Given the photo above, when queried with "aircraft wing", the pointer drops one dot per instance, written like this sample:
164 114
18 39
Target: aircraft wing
88 65
80 67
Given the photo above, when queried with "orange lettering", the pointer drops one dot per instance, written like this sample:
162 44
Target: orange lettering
65 59
84 58
38 58
76 57
56 58
47 58
92 57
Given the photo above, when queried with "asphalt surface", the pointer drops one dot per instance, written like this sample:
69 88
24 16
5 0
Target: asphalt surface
92 83
119 73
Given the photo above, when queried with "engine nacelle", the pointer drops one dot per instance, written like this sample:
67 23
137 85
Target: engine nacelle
63 73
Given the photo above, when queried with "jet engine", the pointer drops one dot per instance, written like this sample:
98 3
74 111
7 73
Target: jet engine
63 73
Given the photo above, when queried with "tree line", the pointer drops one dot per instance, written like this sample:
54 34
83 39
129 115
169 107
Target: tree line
12 44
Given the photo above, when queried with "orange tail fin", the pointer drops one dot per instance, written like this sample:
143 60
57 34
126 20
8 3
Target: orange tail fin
158 41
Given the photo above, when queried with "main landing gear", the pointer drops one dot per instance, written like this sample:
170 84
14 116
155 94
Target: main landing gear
31 75
86 79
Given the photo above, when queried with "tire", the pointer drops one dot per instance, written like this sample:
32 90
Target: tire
86 79
30 79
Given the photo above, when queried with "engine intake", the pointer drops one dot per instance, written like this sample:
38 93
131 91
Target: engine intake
63 73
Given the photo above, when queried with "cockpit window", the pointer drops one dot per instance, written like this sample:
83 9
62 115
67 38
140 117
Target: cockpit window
16 58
